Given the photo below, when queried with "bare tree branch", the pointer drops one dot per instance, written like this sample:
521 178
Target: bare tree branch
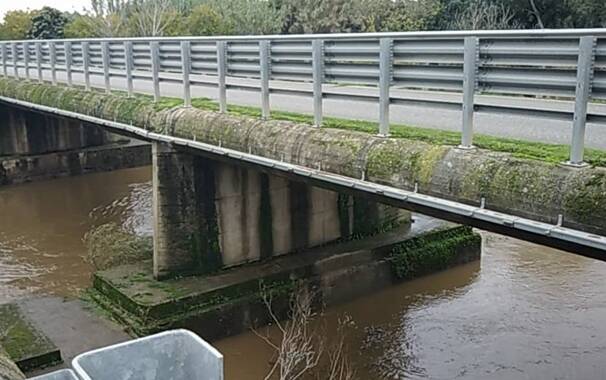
300 348
537 14
481 14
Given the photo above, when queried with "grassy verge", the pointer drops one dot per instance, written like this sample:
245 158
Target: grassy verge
553 153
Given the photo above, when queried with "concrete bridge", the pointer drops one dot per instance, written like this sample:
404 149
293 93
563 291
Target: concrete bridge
230 189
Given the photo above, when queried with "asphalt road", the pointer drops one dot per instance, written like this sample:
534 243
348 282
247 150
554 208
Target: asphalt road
501 125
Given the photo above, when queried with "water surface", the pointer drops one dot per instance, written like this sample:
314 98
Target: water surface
524 312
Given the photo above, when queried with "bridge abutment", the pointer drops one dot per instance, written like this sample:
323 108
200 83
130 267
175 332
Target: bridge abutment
210 215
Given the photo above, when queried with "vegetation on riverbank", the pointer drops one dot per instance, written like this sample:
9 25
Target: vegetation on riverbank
432 252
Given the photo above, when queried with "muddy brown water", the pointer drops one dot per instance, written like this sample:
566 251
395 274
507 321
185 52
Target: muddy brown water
524 312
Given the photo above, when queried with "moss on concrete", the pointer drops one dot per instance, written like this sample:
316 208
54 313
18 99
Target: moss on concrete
526 181
230 301
8 368
433 252
586 201
25 344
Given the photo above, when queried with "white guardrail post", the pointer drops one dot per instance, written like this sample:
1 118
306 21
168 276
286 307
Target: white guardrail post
53 61
67 46
470 67
154 47
39 62
385 77
15 60
582 94
86 64
4 60
105 59
129 64
222 74
264 67
317 56
186 68
25 47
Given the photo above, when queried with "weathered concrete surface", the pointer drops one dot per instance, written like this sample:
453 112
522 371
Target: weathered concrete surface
20 169
8 369
25 344
527 188
229 302
210 215
72 325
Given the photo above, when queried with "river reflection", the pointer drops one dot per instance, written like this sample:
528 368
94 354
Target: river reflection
524 312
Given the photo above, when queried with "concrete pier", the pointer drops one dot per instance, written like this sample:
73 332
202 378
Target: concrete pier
210 215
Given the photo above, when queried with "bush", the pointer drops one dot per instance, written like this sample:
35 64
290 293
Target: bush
110 245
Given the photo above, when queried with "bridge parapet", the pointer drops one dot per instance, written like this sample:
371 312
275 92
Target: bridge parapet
563 64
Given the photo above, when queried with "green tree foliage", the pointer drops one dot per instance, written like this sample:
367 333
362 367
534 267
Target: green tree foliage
16 25
48 23
81 27
121 18
319 16
410 15
206 21
332 16
245 17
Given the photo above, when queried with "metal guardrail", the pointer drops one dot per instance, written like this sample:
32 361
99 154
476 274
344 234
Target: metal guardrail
567 64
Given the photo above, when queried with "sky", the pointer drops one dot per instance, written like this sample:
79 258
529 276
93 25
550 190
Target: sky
64 5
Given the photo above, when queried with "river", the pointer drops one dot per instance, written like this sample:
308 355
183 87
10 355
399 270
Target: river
523 312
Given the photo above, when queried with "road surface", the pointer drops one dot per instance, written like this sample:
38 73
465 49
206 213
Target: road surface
544 130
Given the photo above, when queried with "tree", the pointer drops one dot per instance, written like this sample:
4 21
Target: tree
300 349
482 14
206 21
16 25
248 17
81 27
151 18
410 15
319 16
107 18
48 23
